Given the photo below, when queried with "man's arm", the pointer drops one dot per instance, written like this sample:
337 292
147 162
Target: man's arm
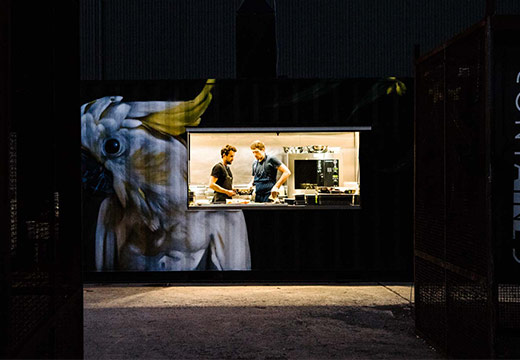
215 187
285 175
251 184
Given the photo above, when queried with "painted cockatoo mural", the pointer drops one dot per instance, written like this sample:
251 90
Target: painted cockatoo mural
145 223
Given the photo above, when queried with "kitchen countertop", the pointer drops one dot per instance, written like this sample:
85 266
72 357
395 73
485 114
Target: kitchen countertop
269 206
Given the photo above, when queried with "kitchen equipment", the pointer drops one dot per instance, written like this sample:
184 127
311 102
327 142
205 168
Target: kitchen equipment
310 199
323 189
307 185
310 173
294 149
330 190
313 170
317 148
299 199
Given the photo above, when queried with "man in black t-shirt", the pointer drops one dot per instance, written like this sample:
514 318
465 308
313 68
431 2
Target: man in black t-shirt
221 179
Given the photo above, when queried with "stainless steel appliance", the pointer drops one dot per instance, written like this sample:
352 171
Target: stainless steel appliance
313 169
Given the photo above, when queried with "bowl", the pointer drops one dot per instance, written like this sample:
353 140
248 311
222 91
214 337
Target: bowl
294 149
317 148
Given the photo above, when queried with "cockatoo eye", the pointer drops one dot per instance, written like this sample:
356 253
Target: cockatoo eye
112 147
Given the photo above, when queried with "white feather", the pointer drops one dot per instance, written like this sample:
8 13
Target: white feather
131 123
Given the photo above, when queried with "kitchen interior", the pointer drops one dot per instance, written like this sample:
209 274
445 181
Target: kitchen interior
324 168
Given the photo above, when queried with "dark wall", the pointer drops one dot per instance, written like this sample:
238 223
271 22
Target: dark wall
192 39
5 110
41 280
368 38
506 63
506 90
135 39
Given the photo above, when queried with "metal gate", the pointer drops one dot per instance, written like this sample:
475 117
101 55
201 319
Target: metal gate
466 301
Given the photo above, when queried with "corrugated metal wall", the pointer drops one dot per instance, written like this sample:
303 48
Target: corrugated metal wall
368 38
162 39
158 39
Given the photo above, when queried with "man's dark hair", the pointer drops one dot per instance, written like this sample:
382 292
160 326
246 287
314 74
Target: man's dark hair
226 149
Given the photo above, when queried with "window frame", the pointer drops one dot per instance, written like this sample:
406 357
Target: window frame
276 130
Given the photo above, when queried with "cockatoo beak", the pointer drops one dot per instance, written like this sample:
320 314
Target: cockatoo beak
173 121
95 177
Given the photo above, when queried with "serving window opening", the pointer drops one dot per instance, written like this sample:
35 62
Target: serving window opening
324 169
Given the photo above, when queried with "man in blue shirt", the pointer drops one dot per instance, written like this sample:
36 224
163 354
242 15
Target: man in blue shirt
265 169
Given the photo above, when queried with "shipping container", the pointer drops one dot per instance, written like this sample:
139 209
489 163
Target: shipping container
368 122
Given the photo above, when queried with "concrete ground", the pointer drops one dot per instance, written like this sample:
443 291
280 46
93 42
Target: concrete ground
371 321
